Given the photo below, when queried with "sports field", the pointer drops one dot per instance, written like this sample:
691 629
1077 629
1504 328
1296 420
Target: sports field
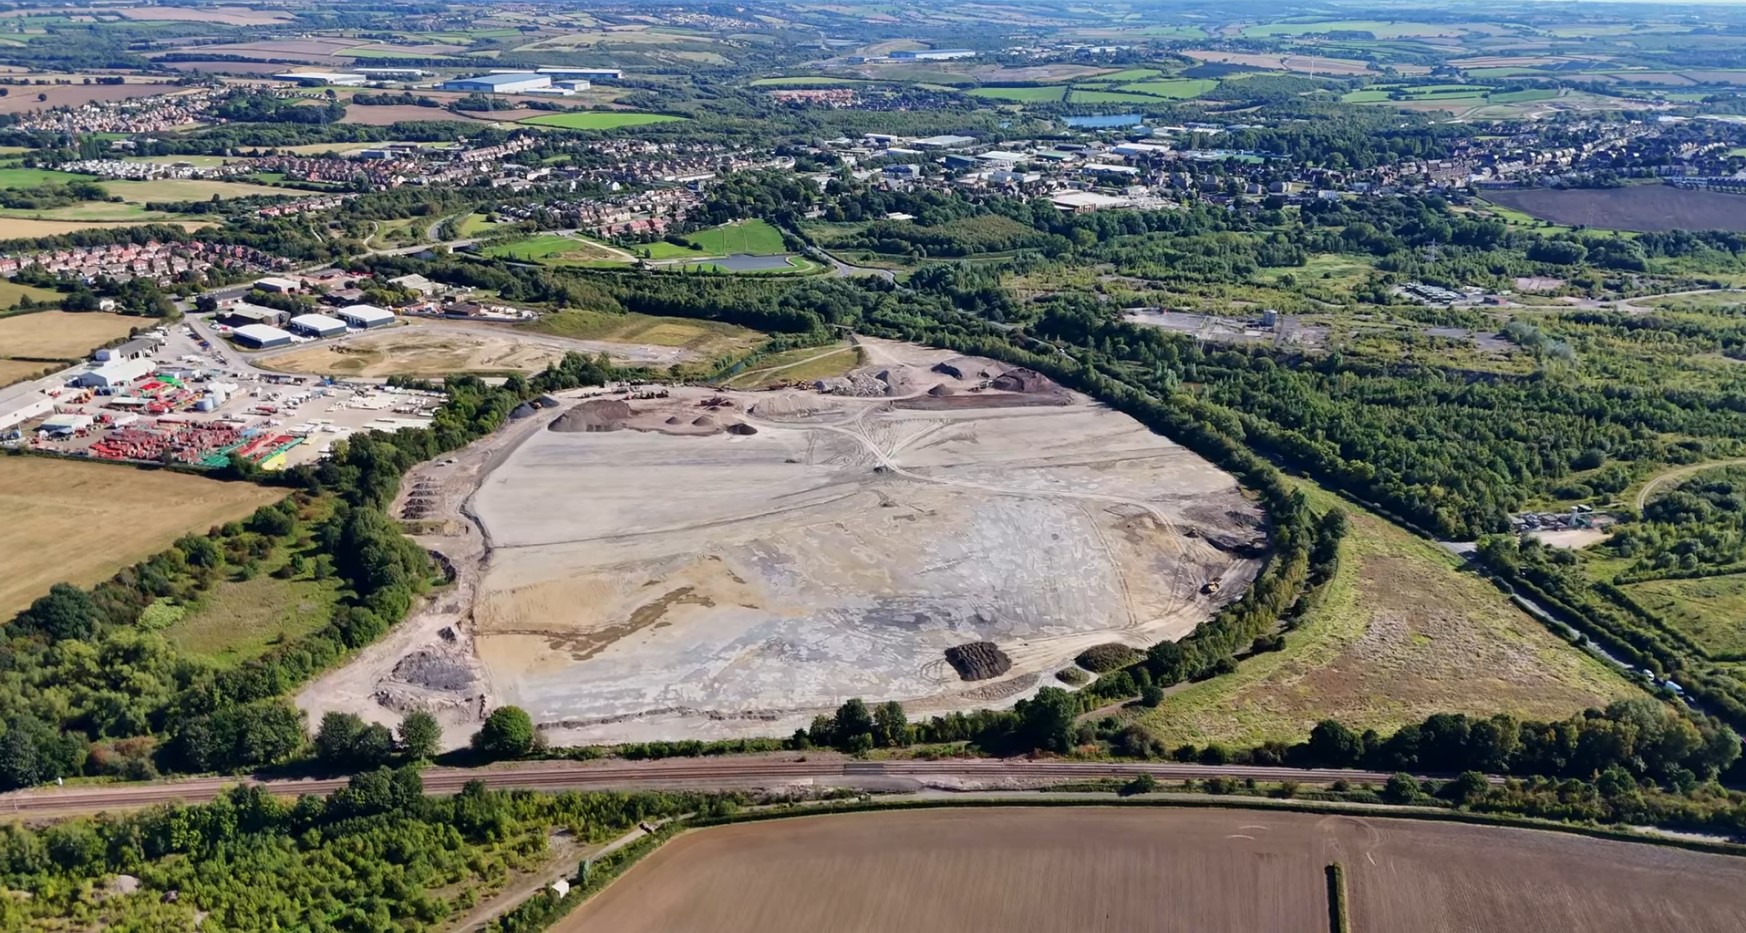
1023 870
599 119
81 522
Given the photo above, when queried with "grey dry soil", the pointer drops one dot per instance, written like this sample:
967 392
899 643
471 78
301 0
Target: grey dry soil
657 571
1207 871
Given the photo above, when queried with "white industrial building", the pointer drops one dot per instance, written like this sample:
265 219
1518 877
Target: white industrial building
931 55
317 325
261 336
67 424
390 74
364 317
574 84
508 83
324 78
114 373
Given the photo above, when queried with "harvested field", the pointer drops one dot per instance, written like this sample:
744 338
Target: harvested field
81 522
709 584
1125 869
12 371
439 349
27 228
1639 208
62 335
1300 63
402 113
229 15
24 100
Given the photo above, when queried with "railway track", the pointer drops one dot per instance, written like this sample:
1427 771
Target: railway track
674 773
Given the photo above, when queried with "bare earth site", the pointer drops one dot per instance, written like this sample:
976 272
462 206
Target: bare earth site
934 529
1206 871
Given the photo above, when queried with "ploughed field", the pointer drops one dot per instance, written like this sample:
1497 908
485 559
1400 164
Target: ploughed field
1208 871
1641 208
707 565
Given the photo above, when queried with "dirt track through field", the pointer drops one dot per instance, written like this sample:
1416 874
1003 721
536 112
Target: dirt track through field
1206 871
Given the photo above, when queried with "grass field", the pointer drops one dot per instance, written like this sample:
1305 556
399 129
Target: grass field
706 338
81 522
1401 633
806 81
1174 88
62 335
1022 95
30 228
35 177
12 292
1378 28
239 620
555 249
599 119
1082 96
1712 610
750 237
801 365
190 189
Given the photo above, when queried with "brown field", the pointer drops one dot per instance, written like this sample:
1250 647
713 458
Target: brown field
1113 869
62 335
12 371
1299 63
1637 208
220 67
22 228
81 522
1717 77
437 349
23 99
229 15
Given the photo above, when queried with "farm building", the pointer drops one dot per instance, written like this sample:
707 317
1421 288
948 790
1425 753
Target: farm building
114 373
510 83
278 285
365 316
317 325
243 314
261 336
931 55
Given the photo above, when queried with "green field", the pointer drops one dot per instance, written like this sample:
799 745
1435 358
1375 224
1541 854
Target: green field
1022 95
1082 96
13 292
1175 88
36 177
1378 28
237 621
1130 74
1711 610
749 237
599 119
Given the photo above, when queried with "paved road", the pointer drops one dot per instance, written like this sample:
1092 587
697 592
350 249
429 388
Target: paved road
686 772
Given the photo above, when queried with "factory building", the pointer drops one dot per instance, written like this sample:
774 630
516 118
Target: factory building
573 84
364 317
279 285
131 350
114 374
324 78
243 313
317 325
507 83
260 336
931 55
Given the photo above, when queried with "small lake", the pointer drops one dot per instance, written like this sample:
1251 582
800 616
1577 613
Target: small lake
1105 121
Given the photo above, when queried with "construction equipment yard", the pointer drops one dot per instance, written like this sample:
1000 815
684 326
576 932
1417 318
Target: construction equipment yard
656 563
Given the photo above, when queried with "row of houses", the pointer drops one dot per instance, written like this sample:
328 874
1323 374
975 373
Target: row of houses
162 262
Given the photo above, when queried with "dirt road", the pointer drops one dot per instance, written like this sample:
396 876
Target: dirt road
1679 473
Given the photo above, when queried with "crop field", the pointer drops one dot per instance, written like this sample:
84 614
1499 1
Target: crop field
1174 88
24 100
703 339
1402 632
1211 871
1082 96
1636 208
191 189
1023 95
1379 28
30 228
62 335
13 371
229 15
599 119
717 540
81 522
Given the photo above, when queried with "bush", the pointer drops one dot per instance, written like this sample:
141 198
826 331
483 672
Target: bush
507 733
1101 659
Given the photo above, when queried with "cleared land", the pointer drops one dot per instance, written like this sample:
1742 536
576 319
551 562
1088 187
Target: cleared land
1201 870
81 522
704 339
1401 633
552 248
1640 208
62 335
440 349
599 119
669 568
799 366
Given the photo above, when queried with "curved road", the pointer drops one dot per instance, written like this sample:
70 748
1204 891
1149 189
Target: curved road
698 773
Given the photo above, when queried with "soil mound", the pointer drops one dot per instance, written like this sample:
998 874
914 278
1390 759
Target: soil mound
947 369
703 421
978 660
1023 380
941 391
522 411
673 420
741 429
594 415
433 671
